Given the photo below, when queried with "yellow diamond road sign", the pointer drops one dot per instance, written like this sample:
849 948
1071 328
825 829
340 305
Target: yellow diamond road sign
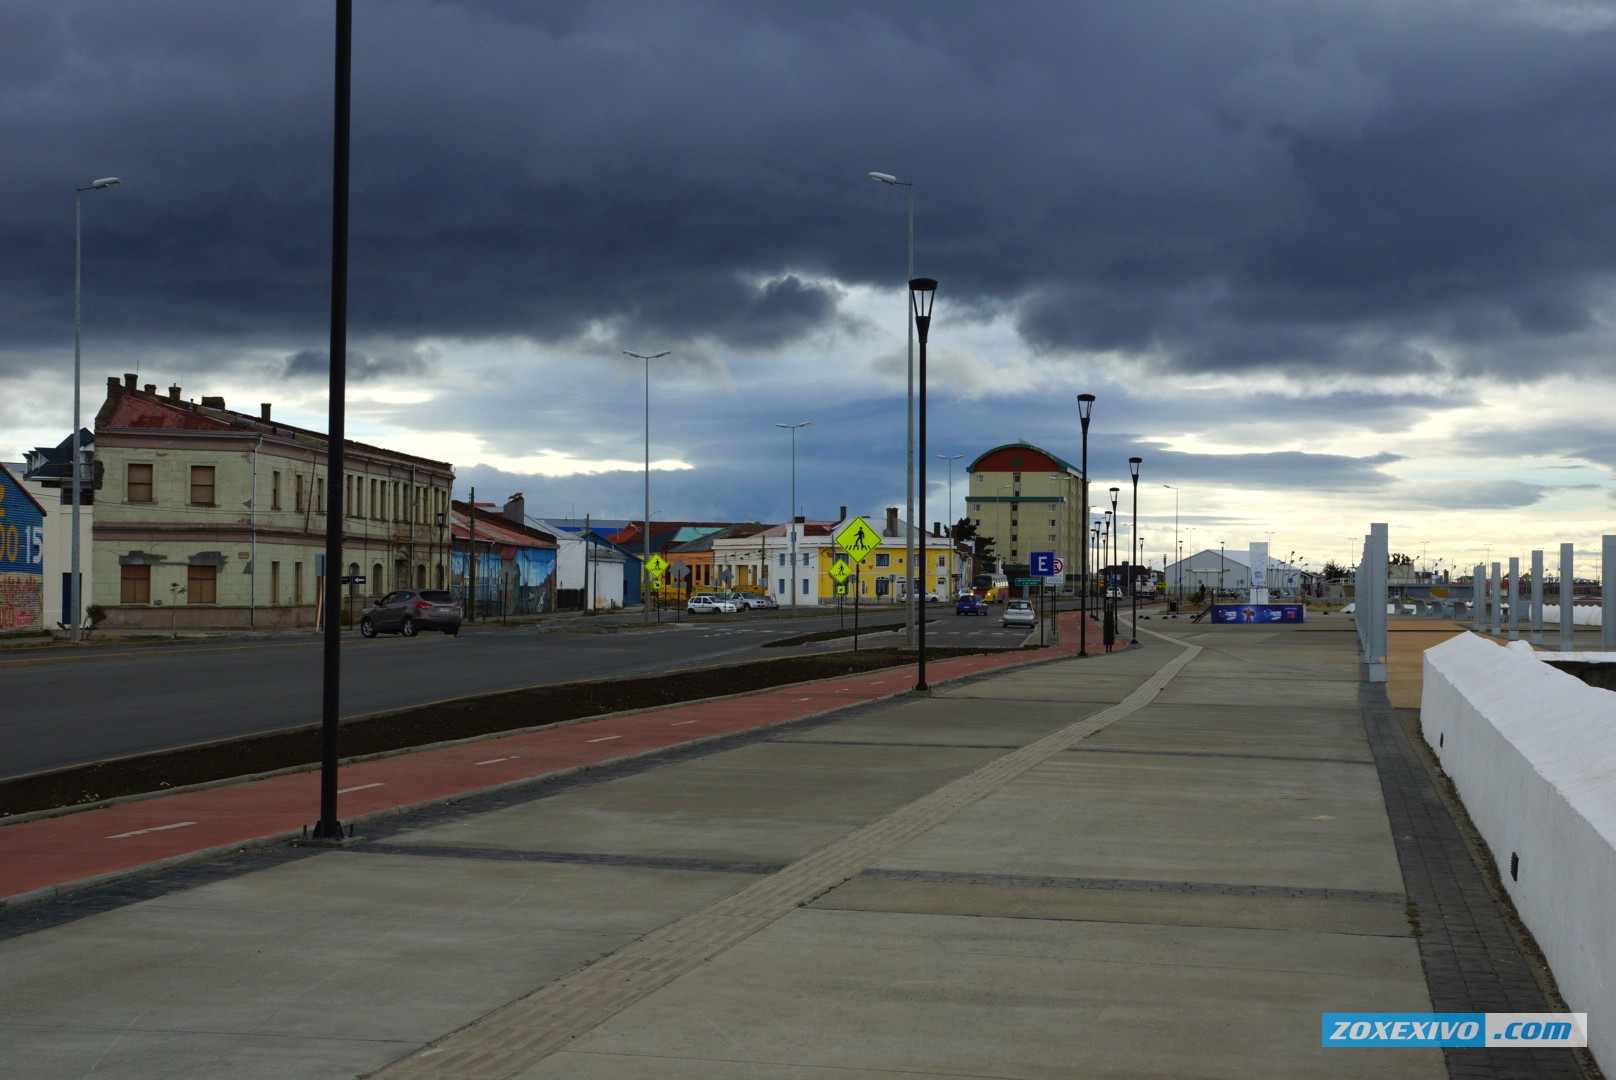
839 571
655 565
858 539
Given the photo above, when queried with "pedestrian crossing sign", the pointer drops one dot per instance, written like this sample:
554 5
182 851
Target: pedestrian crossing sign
839 571
655 565
858 539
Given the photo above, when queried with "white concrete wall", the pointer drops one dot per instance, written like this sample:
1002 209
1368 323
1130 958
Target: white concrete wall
1532 752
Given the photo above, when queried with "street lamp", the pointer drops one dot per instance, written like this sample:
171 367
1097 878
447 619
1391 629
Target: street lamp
793 516
953 543
1134 549
1085 409
75 587
922 291
1178 587
645 557
909 403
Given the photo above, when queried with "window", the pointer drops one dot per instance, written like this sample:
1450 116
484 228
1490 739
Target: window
297 583
275 490
1052 510
201 584
1016 477
976 508
782 559
274 583
1051 523
134 585
805 586
297 495
883 558
805 557
140 485
201 485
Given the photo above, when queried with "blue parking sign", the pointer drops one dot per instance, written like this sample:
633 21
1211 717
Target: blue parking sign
1043 564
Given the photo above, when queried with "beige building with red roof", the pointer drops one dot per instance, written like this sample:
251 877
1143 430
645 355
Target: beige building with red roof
209 518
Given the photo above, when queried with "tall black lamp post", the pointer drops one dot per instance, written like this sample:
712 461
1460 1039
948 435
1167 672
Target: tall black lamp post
1116 545
922 291
1085 409
1133 548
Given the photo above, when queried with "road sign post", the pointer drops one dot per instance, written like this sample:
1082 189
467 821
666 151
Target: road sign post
858 540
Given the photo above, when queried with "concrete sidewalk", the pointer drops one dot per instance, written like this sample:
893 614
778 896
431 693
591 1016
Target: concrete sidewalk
1164 862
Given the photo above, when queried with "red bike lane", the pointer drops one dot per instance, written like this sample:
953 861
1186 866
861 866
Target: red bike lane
45 856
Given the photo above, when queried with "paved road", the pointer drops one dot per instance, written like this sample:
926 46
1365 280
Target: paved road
68 708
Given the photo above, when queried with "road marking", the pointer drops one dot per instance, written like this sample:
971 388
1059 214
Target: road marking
155 828
681 723
605 738
360 787
492 761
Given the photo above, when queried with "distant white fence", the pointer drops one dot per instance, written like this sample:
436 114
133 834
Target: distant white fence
1532 752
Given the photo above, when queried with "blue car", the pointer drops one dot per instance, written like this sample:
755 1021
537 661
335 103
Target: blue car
971 605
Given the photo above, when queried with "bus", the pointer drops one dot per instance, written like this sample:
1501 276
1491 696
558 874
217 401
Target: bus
993 588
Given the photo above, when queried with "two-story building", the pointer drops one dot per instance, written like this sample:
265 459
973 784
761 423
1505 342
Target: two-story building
209 518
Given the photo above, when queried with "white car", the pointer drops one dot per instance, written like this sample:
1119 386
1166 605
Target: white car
1019 613
707 603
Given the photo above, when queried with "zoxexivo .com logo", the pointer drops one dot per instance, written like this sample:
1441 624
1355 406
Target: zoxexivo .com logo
1455 1029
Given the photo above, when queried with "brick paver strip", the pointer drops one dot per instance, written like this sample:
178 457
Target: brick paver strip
1471 959
513 1038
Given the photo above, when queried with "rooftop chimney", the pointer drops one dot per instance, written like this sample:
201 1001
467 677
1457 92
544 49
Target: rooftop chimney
149 388
113 385
516 509
263 410
129 379
174 393
213 403
892 521
841 514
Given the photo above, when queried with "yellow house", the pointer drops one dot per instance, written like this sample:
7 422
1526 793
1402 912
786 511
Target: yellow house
881 577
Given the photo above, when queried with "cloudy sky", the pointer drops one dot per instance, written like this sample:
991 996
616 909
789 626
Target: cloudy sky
1322 263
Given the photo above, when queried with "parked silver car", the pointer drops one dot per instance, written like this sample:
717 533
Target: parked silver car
1019 613
409 611
707 603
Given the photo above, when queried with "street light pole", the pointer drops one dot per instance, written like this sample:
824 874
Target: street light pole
1134 550
953 544
1178 587
909 408
74 588
645 540
1085 410
922 291
792 525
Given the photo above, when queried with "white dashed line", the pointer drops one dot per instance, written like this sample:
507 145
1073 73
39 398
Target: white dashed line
605 738
360 787
492 761
155 828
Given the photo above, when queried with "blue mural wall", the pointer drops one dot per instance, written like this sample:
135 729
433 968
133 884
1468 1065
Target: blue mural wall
22 557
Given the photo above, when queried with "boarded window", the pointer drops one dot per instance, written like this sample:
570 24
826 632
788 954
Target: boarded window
202 485
201 584
134 585
140 484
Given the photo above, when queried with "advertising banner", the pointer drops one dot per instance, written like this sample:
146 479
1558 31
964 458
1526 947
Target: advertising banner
1258 613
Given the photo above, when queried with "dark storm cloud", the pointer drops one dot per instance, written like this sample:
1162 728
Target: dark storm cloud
316 364
1282 186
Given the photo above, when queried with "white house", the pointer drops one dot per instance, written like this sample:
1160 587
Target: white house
588 564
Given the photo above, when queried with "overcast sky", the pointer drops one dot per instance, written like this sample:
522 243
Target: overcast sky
1322 263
